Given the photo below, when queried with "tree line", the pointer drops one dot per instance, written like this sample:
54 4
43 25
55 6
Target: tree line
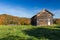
9 20
14 20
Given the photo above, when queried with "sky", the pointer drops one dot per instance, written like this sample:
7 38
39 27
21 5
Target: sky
29 8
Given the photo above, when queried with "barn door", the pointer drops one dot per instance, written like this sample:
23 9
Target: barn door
48 21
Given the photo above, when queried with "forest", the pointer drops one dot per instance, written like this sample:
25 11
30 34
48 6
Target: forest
11 20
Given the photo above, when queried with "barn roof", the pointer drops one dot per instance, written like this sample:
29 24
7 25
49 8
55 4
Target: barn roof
44 10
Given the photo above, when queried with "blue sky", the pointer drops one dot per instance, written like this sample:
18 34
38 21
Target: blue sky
28 8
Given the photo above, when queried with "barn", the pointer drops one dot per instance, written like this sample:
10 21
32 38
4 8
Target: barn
43 18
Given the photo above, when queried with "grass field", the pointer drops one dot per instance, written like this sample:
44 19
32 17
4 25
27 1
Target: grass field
28 32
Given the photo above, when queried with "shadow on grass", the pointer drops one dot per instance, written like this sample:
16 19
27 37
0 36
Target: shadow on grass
12 38
15 38
58 27
51 34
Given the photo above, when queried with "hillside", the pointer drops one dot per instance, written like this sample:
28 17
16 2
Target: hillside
9 19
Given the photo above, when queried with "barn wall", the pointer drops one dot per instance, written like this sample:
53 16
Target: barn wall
34 21
42 18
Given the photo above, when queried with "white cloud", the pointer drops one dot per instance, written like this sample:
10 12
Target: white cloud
56 13
17 11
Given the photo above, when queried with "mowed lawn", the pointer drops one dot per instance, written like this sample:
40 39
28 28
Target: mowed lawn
28 32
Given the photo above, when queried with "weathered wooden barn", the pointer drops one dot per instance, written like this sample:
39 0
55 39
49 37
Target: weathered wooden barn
43 18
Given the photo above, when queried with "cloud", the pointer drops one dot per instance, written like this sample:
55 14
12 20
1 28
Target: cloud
16 11
56 13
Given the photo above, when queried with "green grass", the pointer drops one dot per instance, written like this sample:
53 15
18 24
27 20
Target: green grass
28 32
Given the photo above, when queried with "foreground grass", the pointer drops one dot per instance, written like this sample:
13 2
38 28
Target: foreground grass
28 32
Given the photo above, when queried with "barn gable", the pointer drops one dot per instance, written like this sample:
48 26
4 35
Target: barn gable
46 11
